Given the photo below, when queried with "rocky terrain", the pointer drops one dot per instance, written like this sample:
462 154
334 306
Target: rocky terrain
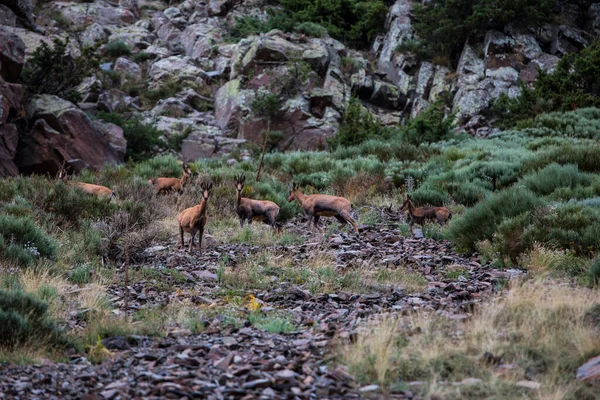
229 361
189 43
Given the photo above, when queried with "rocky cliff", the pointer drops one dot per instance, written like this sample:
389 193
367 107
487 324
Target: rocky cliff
188 45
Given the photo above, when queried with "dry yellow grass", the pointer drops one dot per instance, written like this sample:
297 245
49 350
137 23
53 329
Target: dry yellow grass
538 329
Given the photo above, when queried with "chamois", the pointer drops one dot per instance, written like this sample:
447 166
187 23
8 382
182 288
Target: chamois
193 219
165 185
419 215
101 192
248 209
322 205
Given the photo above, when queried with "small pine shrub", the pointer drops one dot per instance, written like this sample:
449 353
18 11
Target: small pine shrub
24 319
52 70
81 275
311 29
480 222
358 125
117 49
432 125
555 176
22 241
142 139
167 166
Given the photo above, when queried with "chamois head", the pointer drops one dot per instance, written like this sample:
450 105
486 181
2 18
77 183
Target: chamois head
240 181
293 188
62 172
206 189
407 203
187 170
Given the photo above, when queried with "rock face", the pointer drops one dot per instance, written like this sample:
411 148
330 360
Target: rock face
60 132
209 83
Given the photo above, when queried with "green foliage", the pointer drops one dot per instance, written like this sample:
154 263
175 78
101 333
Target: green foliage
554 176
167 166
265 105
444 25
481 221
24 320
117 49
311 29
595 280
167 89
70 204
271 323
81 275
358 126
431 125
571 85
22 241
142 139
52 70
355 22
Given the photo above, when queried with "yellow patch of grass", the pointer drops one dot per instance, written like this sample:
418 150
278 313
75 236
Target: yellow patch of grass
539 327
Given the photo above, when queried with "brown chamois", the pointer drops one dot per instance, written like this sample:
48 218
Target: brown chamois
419 215
322 205
248 209
193 219
166 185
99 191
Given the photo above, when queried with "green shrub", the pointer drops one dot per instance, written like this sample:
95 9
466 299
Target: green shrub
22 241
586 157
24 320
444 25
311 29
52 70
142 139
166 166
427 195
352 21
81 275
167 89
480 222
117 49
595 280
555 176
358 125
571 85
431 125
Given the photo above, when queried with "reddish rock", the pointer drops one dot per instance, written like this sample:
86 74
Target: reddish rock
12 55
60 132
9 138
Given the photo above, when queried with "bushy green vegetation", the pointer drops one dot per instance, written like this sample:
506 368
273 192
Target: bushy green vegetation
142 139
571 85
24 320
444 25
357 126
117 49
52 70
356 22
22 241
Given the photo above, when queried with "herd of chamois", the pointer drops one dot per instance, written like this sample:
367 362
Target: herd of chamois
193 220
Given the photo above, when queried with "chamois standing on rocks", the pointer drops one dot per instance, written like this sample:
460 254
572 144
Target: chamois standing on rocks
99 191
322 205
166 185
193 219
419 215
248 209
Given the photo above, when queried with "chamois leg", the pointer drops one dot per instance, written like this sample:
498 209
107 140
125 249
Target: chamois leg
250 219
343 222
310 218
349 219
271 221
181 237
241 222
193 233
201 234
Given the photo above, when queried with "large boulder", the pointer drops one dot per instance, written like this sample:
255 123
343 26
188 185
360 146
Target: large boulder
12 55
9 138
198 39
93 34
11 95
136 37
175 67
399 30
128 69
23 9
7 16
232 104
593 18
31 39
60 131
80 15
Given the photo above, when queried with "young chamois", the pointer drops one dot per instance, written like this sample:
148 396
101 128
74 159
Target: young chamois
419 215
166 185
248 209
193 219
101 192
322 205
